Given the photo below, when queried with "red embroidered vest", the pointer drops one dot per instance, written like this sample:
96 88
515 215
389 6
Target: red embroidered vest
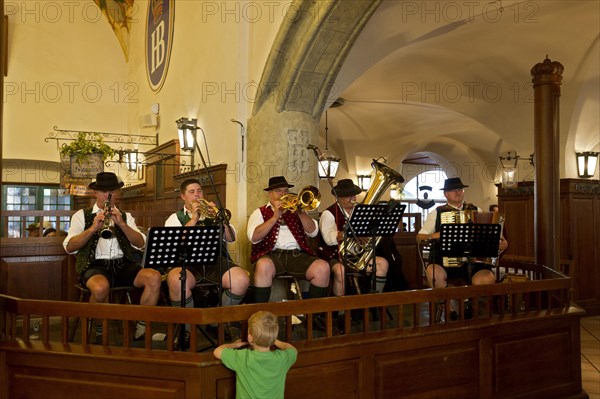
328 252
267 244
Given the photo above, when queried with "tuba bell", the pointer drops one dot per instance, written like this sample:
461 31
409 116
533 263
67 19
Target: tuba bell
358 254
307 199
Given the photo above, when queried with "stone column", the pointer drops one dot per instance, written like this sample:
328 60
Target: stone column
546 78
278 148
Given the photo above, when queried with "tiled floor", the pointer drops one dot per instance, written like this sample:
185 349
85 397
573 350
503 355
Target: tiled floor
590 356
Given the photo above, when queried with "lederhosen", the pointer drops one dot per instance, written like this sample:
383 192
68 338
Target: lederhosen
294 261
86 256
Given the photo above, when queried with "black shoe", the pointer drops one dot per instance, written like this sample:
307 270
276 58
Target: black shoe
97 339
319 322
213 332
341 323
186 342
468 310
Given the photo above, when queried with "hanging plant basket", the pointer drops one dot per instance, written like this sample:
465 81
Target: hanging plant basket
83 158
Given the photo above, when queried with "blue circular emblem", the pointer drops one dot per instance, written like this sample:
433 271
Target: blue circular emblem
159 40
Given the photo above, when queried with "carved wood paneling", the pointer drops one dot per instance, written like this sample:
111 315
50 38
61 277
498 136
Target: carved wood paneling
579 233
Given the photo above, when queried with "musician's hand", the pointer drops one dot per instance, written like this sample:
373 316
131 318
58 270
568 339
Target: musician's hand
98 222
277 211
117 217
503 244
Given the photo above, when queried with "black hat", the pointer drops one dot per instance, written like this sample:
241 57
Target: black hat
106 181
277 182
453 183
346 188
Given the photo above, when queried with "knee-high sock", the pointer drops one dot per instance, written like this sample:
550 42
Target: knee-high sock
379 283
189 303
228 298
317 292
262 294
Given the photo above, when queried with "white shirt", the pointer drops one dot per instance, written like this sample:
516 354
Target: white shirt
173 221
328 226
429 225
107 248
285 239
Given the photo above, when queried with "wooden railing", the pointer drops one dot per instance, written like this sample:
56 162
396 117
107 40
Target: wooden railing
547 292
498 353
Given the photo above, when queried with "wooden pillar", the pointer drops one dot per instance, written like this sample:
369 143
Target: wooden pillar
546 78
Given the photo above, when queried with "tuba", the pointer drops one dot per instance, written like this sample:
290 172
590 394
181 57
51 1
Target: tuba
358 254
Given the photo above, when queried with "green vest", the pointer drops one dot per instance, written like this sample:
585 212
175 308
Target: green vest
87 253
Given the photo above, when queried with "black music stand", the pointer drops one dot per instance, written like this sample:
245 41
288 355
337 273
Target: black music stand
469 240
374 220
182 247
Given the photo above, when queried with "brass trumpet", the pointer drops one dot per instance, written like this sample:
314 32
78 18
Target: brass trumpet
307 199
106 231
208 211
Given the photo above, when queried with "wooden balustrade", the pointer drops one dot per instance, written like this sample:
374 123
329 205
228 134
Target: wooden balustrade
523 344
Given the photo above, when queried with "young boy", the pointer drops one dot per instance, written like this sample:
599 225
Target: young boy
260 372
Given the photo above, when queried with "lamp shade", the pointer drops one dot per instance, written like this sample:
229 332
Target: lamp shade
586 163
132 160
509 177
328 166
186 129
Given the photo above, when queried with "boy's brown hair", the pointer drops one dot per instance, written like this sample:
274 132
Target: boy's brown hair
263 327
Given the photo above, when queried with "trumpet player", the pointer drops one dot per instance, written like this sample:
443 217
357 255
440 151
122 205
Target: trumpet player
280 245
197 212
332 223
113 261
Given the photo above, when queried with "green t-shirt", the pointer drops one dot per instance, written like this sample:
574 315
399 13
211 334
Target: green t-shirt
259 375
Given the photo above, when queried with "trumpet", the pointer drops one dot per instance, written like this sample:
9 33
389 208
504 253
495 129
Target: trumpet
307 199
106 231
207 211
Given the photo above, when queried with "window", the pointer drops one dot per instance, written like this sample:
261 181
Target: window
34 198
422 194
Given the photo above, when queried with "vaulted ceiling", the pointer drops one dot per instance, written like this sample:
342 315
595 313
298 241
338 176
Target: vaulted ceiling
451 80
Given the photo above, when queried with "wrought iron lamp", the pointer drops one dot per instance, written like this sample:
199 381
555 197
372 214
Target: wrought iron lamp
586 163
328 163
509 169
186 128
131 160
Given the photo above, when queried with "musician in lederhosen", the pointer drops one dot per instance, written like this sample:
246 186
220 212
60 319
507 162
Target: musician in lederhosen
481 273
233 279
108 245
280 245
331 224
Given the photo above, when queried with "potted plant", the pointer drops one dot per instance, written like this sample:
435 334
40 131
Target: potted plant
83 147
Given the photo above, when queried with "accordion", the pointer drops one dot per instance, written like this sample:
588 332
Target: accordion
469 215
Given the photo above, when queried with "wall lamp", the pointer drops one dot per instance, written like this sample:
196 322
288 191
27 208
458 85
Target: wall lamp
186 127
132 160
586 163
509 168
364 182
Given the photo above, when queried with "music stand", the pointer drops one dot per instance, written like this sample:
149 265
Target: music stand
182 247
469 240
374 220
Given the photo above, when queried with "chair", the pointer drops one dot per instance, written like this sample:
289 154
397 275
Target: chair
119 295
292 284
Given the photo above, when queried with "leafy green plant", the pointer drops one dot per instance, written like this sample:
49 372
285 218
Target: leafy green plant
86 144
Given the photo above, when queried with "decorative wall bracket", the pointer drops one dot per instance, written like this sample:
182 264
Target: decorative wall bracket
122 138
